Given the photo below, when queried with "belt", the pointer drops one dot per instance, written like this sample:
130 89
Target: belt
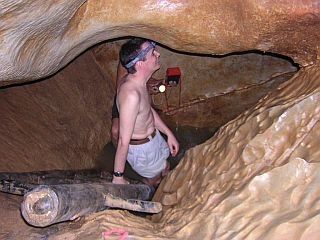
142 141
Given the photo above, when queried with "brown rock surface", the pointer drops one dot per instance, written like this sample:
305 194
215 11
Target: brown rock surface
58 123
257 177
283 126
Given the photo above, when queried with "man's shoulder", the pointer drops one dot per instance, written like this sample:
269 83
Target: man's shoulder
128 91
128 87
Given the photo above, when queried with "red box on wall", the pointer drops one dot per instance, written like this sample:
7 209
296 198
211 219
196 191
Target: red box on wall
173 76
173 71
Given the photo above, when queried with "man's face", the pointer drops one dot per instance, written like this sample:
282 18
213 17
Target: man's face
152 57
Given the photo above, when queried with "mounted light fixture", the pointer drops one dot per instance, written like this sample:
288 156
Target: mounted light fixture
172 80
162 88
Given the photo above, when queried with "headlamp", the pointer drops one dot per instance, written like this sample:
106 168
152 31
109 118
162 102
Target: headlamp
141 55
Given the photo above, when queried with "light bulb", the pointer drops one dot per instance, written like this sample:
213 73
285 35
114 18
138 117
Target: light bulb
162 88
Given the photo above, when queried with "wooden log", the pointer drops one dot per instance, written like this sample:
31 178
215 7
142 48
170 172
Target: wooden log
58 176
133 204
21 183
14 187
46 205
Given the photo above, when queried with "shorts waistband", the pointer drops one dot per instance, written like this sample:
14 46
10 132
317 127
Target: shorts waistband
145 140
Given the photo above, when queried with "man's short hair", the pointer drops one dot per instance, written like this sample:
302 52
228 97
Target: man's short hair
129 51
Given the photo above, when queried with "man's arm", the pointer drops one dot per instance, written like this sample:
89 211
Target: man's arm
172 141
129 106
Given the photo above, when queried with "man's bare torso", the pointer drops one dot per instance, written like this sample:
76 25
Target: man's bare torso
144 121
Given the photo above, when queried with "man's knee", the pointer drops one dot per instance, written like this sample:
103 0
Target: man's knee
155 181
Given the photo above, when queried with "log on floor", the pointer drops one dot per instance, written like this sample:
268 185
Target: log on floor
58 176
46 205
14 187
20 183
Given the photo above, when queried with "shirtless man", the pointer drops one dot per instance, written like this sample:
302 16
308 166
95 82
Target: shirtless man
139 139
153 88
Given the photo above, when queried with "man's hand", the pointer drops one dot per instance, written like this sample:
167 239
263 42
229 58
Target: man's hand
173 145
119 180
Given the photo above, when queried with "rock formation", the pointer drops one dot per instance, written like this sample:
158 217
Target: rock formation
257 177
38 44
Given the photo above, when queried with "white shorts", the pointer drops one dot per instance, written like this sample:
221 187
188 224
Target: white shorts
150 158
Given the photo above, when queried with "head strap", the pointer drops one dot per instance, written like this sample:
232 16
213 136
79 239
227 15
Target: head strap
141 55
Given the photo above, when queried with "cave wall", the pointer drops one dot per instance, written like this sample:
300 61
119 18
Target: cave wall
61 122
